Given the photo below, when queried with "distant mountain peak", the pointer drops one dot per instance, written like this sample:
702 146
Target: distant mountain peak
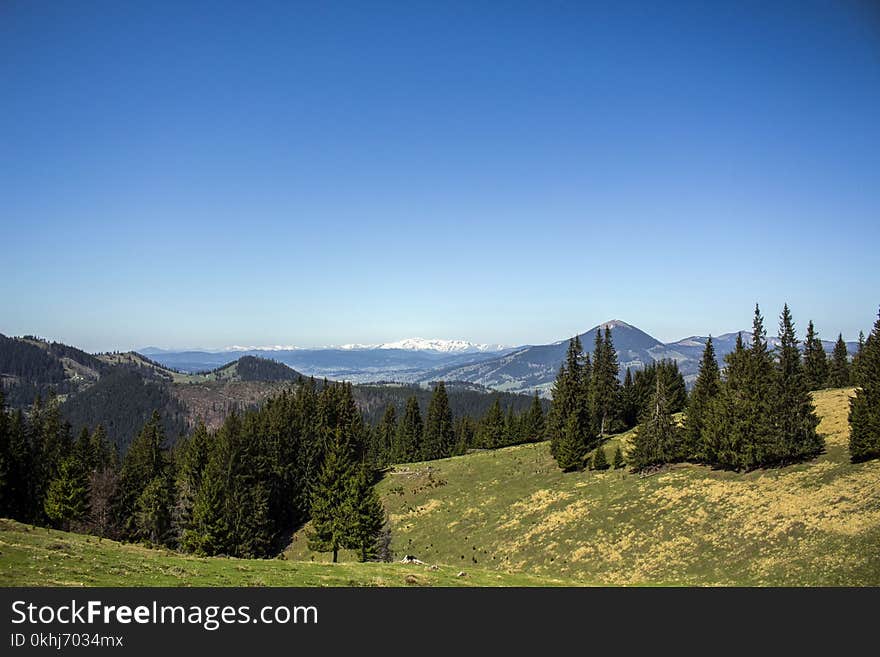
430 344
615 323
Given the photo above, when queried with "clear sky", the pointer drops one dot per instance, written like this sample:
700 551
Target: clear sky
204 174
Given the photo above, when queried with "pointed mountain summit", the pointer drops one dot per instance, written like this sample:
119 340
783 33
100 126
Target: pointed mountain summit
535 367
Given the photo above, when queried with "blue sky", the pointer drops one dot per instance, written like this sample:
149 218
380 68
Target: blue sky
187 173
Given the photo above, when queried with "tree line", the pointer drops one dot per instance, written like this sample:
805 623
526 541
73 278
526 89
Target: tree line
306 454
759 412
590 403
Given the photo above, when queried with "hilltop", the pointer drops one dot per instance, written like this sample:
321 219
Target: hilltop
817 523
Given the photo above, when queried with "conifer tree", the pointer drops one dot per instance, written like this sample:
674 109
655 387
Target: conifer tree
367 516
725 417
533 430
656 439
839 372
332 521
571 448
794 417
618 461
465 434
569 424
815 360
152 517
605 386
760 433
384 437
192 458
857 359
67 496
210 530
143 462
511 428
706 388
408 445
439 433
864 411
490 434
19 484
570 392
629 406
600 459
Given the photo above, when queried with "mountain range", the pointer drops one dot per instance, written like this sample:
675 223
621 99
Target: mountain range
511 369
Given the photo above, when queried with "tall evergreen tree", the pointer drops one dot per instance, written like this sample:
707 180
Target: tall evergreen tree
618 461
332 502
153 509
192 459
67 496
491 431
367 516
706 388
864 411
629 405
383 437
533 425
795 419
144 461
815 360
408 444
855 369
839 373
439 434
656 440
605 385
570 392
571 435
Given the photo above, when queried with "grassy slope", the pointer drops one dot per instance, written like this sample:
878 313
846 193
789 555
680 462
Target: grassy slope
512 509
44 557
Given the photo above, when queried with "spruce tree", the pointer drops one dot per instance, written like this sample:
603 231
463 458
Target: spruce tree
864 411
761 433
656 439
815 360
67 495
794 417
439 433
572 448
618 461
569 424
192 459
839 372
629 406
384 437
408 444
600 460
605 385
153 511
706 388
533 430
855 369
570 392
725 417
366 514
332 501
490 433
143 462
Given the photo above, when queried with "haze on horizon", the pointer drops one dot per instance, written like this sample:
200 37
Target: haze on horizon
275 173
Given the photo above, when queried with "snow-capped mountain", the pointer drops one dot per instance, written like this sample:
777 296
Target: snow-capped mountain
437 344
